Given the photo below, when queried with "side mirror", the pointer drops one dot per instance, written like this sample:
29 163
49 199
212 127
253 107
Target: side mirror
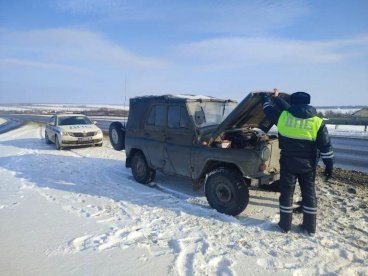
95 122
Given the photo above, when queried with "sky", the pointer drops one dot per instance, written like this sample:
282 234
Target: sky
107 51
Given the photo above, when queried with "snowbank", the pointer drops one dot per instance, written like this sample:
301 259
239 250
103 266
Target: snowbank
347 131
79 212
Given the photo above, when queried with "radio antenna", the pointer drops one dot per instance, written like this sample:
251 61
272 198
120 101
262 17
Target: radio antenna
125 87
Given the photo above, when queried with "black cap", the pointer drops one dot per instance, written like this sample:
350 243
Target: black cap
300 98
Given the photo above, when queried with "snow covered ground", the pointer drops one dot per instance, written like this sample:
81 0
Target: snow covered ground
79 212
337 110
347 131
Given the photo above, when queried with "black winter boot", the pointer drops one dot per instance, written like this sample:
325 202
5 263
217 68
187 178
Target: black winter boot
309 223
285 221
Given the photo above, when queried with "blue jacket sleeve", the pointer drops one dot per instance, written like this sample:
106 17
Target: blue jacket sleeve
324 145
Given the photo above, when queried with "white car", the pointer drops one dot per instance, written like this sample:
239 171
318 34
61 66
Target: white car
67 130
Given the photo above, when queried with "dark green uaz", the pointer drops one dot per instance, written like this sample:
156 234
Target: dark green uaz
217 143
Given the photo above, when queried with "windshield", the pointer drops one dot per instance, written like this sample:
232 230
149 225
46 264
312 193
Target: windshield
210 113
74 120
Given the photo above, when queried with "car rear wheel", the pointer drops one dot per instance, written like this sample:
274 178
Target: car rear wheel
227 191
142 173
57 143
117 136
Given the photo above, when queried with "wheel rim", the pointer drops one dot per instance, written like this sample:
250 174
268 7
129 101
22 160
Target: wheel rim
223 193
140 168
114 136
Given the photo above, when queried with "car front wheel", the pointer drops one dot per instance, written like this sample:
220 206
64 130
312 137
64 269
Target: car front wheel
47 139
226 191
142 173
57 143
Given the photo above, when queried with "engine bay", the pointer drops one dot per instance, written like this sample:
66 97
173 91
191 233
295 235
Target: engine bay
243 138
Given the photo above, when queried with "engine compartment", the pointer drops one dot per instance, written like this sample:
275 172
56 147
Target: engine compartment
243 138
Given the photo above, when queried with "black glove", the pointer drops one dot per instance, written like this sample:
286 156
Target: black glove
328 172
264 96
329 168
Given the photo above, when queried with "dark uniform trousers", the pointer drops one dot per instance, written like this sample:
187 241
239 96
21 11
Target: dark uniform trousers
304 170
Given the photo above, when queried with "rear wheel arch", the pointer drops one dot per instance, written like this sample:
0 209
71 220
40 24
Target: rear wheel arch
141 170
129 156
210 166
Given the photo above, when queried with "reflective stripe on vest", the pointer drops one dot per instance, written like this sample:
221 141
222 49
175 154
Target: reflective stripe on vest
297 128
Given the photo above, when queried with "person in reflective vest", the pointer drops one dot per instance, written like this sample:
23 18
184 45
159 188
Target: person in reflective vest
303 138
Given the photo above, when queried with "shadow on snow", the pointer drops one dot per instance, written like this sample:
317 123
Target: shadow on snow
107 178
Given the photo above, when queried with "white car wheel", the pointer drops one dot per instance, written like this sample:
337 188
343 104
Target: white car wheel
57 143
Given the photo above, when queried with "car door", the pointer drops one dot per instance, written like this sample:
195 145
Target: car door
154 135
178 140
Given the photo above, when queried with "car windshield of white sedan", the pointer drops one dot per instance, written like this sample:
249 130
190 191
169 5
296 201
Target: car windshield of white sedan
74 120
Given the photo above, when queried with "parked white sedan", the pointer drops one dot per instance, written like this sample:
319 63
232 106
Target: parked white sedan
67 130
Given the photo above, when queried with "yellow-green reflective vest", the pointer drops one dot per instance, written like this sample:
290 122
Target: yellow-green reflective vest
297 128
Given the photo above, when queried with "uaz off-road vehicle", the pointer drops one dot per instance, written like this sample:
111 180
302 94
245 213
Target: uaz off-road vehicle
214 142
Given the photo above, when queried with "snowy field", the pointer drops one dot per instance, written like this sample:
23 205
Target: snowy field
58 107
79 212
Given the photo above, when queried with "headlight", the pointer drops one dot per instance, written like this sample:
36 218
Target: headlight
99 131
265 153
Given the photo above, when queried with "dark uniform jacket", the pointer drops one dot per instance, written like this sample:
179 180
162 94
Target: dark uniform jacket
302 143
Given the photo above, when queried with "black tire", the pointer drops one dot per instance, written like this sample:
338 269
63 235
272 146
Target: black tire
47 139
57 143
117 136
227 191
142 173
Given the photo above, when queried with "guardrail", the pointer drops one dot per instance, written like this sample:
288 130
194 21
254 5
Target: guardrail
103 123
353 121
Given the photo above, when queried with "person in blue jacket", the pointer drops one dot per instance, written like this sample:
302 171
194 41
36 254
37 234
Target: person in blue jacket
303 138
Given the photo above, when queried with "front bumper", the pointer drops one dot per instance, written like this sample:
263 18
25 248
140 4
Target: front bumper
70 141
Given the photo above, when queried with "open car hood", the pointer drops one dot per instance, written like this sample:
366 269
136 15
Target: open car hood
247 114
